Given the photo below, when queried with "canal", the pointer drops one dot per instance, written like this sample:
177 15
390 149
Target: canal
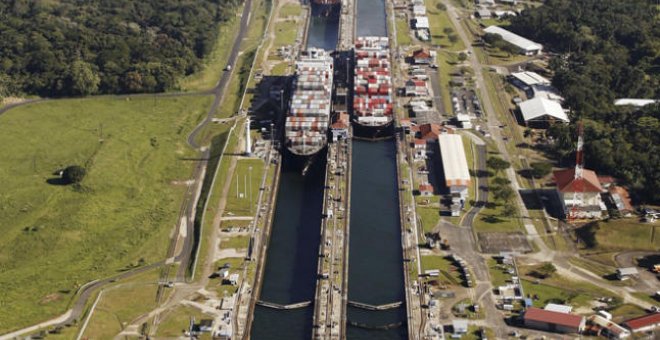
291 260
376 257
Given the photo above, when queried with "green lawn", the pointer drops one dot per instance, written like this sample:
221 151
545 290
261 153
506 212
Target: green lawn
497 275
429 217
290 10
403 32
121 304
439 21
562 290
285 33
628 234
237 242
175 321
244 189
449 274
56 238
626 312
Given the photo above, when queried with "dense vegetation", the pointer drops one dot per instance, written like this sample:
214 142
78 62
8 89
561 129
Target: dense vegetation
76 47
608 49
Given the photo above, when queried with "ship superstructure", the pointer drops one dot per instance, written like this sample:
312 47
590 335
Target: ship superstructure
372 86
309 110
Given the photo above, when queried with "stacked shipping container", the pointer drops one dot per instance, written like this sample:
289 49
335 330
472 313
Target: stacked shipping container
309 110
372 100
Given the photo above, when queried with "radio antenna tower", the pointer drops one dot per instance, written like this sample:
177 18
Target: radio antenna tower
578 180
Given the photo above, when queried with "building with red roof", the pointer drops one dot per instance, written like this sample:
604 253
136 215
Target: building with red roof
426 189
423 56
553 321
591 204
430 132
644 323
419 145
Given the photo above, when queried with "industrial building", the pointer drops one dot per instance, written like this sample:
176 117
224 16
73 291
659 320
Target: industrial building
524 45
552 321
540 111
582 194
527 79
646 323
455 167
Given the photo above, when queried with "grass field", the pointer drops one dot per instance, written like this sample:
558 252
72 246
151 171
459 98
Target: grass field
56 238
177 320
290 10
628 234
439 21
121 304
402 32
244 189
558 289
237 242
449 276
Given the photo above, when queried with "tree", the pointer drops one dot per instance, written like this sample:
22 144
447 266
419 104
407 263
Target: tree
500 181
462 56
440 6
509 210
503 193
497 164
448 30
74 174
545 270
492 38
453 38
540 169
84 80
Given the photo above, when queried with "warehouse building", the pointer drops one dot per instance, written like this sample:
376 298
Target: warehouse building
552 321
455 167
539 112
524 45
646 323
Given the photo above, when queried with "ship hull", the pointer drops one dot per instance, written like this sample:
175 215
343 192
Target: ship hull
303 163
373 132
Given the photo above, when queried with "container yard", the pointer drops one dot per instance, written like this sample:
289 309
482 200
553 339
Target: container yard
372 99
309 110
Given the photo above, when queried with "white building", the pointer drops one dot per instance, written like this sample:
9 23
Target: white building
454 165
540 109
526 46
528 79
587 202
634 102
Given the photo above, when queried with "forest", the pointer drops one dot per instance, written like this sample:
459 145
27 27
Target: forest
606 49
82 47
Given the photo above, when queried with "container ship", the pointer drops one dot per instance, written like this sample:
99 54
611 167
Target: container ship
372 87
306 127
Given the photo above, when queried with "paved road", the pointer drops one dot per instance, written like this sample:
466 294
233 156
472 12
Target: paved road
481 198
192 196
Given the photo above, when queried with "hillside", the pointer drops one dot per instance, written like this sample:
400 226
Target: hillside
71 47
607 49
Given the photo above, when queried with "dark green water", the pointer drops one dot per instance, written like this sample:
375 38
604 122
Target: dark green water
290 271
376 260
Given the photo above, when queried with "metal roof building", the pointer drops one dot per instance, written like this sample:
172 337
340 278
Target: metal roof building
454 163
542 109
530 78
525 45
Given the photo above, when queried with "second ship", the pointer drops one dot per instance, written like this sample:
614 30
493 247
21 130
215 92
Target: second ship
372 88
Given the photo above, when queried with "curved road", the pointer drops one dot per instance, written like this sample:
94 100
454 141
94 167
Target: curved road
188 205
